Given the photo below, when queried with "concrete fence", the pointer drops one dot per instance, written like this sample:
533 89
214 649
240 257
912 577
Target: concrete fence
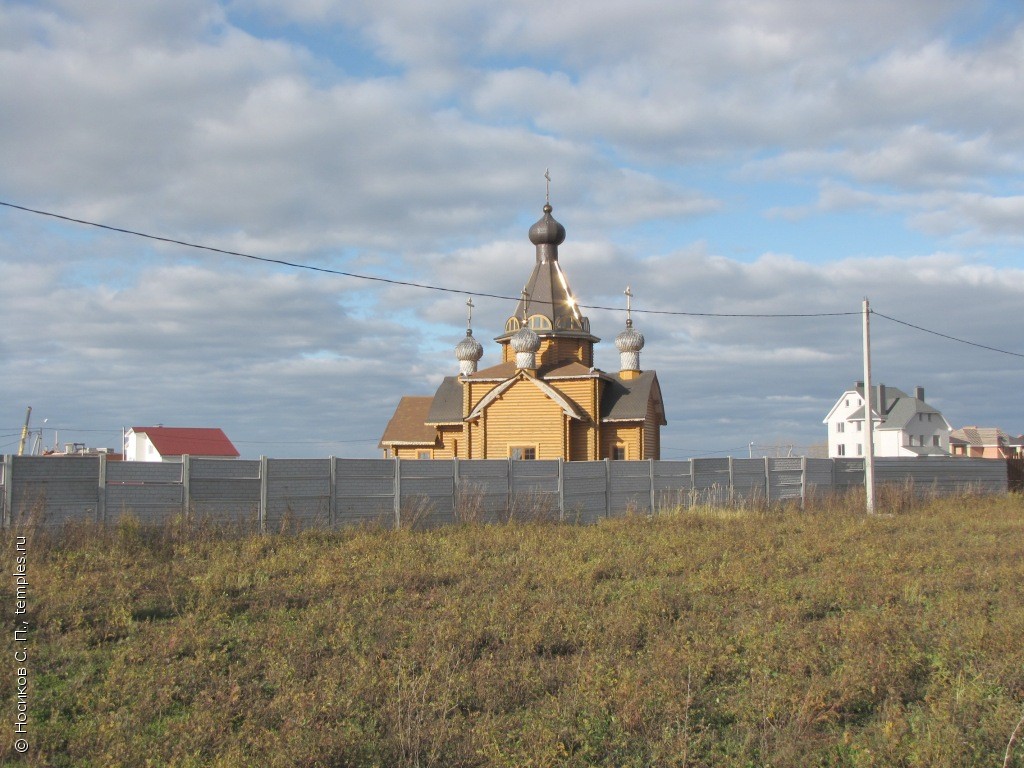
275 493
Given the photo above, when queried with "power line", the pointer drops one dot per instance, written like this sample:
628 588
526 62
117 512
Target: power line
392 281
947 336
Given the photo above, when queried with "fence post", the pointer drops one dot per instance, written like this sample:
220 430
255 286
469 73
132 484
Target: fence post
332 500
732 485
264 496
186 485
8 489
561 489
693 479
101 491
398 492
767 483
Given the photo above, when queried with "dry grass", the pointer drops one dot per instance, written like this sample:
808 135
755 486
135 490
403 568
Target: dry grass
703 637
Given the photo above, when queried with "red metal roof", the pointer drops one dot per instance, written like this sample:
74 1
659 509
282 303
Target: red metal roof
194 441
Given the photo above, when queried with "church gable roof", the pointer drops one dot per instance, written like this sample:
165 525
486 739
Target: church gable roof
446 405
408 426
567 406
628 399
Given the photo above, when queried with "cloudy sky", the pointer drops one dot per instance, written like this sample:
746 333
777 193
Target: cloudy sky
737 157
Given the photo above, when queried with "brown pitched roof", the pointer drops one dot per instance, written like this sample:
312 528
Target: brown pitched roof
407 426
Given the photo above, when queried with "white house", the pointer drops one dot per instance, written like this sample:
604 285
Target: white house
904 425
171 443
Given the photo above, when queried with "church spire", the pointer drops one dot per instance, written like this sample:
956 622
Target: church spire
552 308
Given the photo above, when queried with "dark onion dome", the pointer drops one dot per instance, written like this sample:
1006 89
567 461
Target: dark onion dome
469 349
630 340
525 340
547 231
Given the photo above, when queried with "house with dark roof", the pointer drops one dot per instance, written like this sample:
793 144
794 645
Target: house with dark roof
171 443
904 425
985 443
544 399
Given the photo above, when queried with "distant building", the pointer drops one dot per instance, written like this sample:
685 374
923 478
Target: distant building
171 443
985 443
545 399
904 425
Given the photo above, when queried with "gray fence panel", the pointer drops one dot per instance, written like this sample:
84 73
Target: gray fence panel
298 493
226 499
942 475
483 492
629 486
143 472
365 491
150 503
819 475
427 493
672 483
785 479
749 480
228 469
534 490
584 498
54 489
848 472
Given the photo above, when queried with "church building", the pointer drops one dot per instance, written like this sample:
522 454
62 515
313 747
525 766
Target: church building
545 399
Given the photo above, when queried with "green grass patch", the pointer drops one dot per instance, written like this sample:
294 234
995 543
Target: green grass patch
697 638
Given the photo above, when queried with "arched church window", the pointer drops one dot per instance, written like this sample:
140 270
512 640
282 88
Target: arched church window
540 323
512 324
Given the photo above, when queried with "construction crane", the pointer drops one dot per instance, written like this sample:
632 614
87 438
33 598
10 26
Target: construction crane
24 432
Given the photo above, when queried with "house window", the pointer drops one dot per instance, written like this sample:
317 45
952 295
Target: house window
840 450
935 441
910 440
847 402
860 449
929 417
841 426
860 426
527 452
422 454
619 452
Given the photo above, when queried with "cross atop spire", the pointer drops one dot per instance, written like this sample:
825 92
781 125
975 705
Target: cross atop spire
629 296
547 186
469 313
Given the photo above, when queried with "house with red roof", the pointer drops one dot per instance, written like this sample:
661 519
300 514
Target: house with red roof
171 443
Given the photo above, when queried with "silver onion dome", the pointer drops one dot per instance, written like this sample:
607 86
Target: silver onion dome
469 349
630 340
525 340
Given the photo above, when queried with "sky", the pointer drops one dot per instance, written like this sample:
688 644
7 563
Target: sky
740 157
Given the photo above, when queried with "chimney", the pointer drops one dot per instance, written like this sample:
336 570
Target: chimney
880 405
919 393
858 385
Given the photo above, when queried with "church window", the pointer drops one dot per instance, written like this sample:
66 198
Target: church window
512 324
422 454
619 452
540 323
527 452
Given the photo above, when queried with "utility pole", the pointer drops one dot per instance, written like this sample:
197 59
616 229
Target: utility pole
24 432
869 419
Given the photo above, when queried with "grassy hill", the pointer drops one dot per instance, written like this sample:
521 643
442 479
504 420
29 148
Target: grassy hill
698 638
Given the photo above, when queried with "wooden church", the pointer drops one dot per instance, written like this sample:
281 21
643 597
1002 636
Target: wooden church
545 399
